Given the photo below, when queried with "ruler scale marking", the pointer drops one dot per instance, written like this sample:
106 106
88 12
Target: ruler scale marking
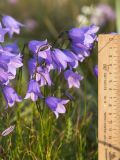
108 100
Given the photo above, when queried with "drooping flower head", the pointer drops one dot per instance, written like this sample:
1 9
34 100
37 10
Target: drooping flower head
4 76
10 96
12 48
56 105
60 59
10 60
82 40
33 91
12 25
73 78
73 63
39 73
39 48
43 76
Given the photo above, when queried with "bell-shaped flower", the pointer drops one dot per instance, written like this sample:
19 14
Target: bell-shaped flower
10 96
82 40
60 59
43 76
4 74
33 91
4 77
56 105
74 58
39 48
12 25
12 48
11 58
15 62
73 78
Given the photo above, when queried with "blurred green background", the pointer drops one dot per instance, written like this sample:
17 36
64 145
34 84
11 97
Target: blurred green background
52 16
38 135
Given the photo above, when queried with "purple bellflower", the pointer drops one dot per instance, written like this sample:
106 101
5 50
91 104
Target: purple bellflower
12 25
4 74
32 64
60 59
4 60
82 40
11 59
33 91
39 48
43 76
10 96
12 48
73 78
15 63
4 77
56 105
74 58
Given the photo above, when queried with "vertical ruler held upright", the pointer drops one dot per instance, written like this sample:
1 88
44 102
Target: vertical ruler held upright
109 97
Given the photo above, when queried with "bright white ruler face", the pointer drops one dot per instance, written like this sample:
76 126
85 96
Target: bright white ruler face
109 97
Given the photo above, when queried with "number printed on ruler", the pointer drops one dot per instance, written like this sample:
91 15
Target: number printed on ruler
109 97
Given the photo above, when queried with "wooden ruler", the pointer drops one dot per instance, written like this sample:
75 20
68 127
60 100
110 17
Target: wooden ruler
109 97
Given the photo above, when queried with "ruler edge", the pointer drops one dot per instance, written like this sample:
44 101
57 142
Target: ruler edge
100 36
